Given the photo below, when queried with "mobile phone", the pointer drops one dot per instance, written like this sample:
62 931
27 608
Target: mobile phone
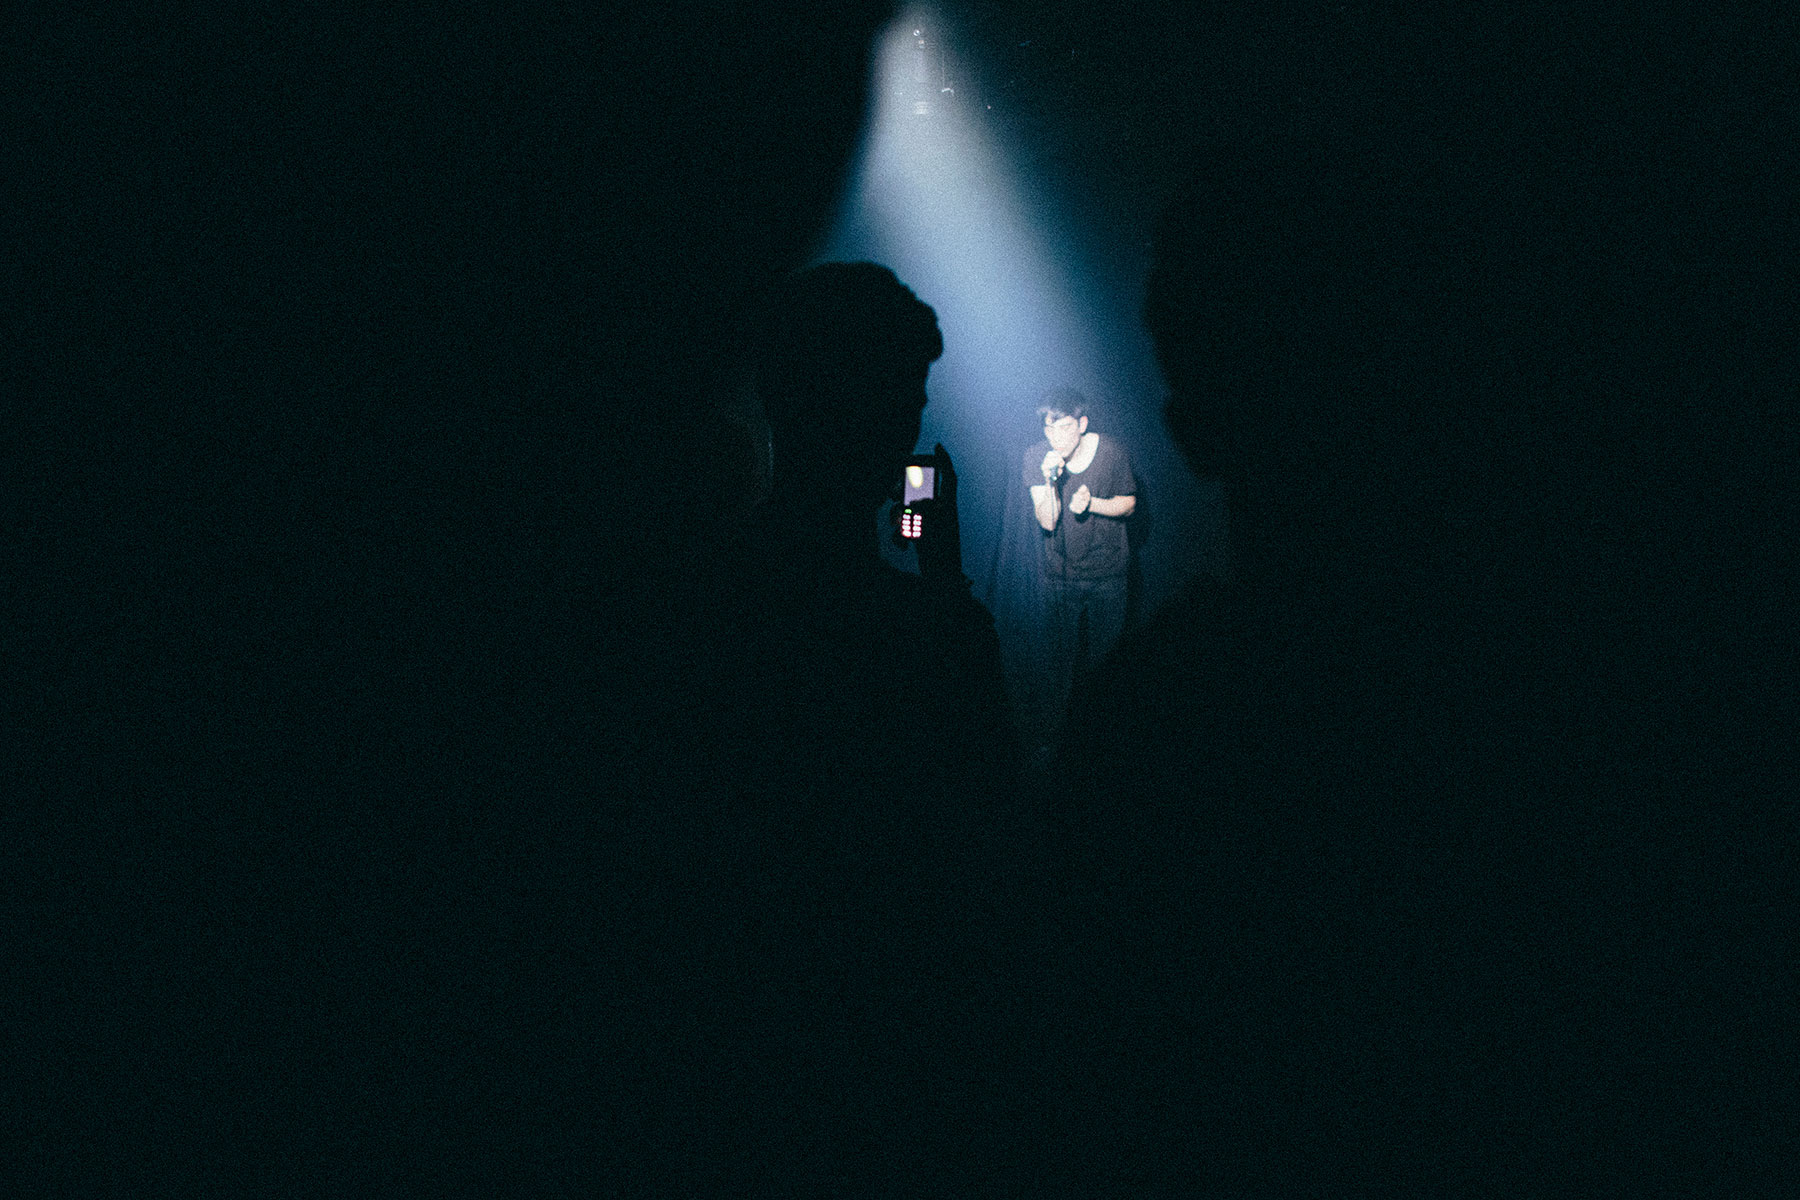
921 481
919 485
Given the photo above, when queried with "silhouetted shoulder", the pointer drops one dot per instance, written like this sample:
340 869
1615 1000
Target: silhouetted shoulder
1152 706
843 675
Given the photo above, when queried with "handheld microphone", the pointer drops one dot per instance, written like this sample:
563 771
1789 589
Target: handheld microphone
1056 474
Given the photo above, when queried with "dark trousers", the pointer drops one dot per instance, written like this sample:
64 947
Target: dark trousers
1084 618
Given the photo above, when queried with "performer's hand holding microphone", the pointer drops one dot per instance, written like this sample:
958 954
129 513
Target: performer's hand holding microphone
1053 467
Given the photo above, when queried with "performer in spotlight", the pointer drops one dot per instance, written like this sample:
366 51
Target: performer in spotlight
1082 489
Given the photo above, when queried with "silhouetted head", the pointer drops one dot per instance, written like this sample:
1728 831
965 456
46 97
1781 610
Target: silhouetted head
842 354
423 233
1290 282
1474 258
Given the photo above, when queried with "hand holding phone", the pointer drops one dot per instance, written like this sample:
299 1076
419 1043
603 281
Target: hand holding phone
918 488
926 514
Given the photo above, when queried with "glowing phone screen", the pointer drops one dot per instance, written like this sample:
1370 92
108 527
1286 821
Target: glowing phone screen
921 483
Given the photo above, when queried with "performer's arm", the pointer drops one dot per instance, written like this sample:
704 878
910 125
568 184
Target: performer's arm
1113 506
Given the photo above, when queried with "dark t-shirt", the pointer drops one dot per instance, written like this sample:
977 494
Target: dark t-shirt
1088 546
